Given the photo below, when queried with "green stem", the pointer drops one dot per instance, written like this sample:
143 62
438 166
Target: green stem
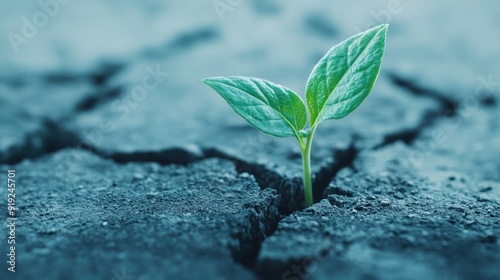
306 165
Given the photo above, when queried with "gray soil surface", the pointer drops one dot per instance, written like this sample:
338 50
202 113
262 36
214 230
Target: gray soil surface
382 221
196 219
130 168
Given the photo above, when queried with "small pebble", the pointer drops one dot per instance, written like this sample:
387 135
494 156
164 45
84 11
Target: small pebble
104 223
469 222
385 202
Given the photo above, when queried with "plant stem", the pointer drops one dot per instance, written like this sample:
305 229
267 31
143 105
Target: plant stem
306 166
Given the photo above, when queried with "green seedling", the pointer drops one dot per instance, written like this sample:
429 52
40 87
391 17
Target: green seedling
338 84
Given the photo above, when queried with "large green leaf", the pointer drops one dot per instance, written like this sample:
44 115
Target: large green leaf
345 75
270 108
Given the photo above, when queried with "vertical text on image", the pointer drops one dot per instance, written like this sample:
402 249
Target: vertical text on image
11 219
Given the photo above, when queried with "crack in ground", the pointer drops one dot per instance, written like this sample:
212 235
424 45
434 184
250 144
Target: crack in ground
447 104
410 135
290 189
265 177
345 158
447 108
182 42
101 96
246 254
99 76
52 136
48 139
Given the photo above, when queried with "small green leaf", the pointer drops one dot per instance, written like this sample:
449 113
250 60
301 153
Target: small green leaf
345 75
270 108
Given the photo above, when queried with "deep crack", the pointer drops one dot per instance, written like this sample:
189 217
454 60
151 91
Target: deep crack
183 42
447 108
447 105
248 251
48 139
265 177
52 136
343 158
181 156
101 95
99 76
409 135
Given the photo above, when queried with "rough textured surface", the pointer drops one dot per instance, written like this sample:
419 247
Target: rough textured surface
424 211
380 216
193 220
122 152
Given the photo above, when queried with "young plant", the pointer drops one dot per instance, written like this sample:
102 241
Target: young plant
337 85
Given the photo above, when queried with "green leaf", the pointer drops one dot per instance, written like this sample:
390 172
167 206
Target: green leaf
270 108
345 75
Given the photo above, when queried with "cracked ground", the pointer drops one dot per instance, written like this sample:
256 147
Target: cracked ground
128 167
